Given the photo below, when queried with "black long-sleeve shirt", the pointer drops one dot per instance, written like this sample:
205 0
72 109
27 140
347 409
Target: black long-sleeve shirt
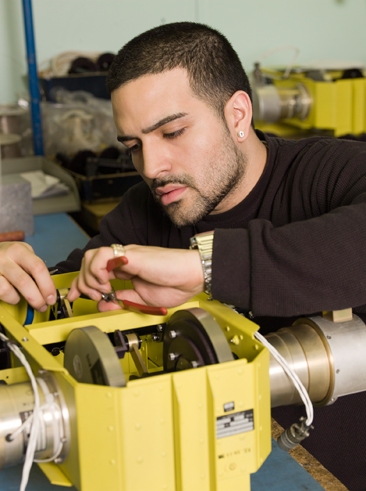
295 244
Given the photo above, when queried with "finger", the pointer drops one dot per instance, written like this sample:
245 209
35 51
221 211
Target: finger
108 306
33 292
96 266
8 293
78 287
37 286
74 292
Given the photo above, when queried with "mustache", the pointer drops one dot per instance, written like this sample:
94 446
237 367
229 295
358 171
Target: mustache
184 180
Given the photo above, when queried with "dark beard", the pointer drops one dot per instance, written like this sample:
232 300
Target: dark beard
205 204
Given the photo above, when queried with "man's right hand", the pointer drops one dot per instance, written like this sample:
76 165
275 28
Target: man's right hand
24 273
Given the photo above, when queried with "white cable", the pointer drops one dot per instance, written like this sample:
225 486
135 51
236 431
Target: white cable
281 48
36 413
36 418
292 375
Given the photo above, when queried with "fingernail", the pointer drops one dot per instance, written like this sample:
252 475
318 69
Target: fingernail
51 299
43 309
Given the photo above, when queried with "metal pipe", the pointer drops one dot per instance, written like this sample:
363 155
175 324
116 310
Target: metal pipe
33 79
328 357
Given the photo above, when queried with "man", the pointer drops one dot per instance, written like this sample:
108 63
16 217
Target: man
286 220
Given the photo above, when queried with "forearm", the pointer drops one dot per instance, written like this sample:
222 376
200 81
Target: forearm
300 268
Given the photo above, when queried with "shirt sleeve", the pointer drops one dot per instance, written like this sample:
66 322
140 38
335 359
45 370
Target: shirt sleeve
306 266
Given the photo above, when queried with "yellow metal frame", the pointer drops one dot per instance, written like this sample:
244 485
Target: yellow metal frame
157 433
338 104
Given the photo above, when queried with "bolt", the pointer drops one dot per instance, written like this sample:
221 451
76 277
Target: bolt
172 334
155 337
172 356
195 364
159 327
58 461
25 340
235 340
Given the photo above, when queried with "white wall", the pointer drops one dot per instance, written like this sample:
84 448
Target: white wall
319 28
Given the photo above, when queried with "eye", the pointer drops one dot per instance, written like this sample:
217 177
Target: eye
134 148
175 134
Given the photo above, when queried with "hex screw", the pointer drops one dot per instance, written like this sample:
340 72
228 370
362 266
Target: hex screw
172 356
172 334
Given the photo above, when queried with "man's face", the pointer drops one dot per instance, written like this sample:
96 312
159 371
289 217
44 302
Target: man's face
179 145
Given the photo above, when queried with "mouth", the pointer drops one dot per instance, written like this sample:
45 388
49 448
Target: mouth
170 193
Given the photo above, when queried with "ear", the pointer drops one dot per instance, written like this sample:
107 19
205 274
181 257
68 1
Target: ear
238 113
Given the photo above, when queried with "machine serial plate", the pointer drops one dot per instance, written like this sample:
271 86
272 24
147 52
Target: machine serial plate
235 423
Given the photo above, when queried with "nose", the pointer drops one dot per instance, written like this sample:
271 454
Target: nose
155 161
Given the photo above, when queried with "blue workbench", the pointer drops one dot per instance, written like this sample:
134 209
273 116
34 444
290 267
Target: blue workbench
57 235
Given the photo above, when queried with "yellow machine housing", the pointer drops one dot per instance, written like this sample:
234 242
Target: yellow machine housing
157 432
333 104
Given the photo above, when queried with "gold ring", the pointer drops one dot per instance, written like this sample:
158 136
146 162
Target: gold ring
118 250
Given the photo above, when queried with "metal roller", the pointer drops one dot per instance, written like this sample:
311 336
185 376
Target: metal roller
17 403
272 103
329 358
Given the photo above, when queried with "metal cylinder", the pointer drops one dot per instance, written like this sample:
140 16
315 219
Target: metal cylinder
17 403
272 103
328 357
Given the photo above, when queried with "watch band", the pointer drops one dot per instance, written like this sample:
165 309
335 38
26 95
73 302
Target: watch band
204 243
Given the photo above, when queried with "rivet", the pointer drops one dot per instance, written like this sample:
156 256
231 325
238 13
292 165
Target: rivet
112 462
139 460
227 328
137 426
110 428
235 340
163 454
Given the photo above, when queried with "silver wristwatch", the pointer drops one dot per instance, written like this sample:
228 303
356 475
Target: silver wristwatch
204 243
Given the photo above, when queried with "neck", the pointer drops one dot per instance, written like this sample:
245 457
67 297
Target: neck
255 161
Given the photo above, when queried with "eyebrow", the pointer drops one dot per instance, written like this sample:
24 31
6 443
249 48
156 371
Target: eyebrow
154 127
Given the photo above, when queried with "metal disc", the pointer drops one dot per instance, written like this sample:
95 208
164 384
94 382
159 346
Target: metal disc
91 359
193 338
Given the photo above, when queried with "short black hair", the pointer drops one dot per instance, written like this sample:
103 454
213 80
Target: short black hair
214 69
